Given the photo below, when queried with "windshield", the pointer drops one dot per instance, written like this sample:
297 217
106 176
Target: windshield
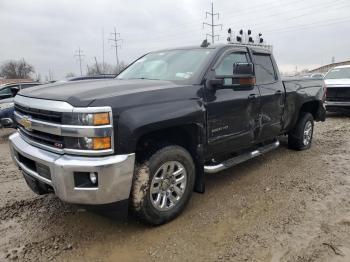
167 65
338 73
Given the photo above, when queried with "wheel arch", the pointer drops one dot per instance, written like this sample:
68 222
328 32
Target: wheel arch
189 136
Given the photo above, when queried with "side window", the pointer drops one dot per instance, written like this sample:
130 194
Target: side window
226 65
5 91
264 70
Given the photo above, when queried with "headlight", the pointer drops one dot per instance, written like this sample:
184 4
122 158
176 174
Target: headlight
87 119
88 143
6 105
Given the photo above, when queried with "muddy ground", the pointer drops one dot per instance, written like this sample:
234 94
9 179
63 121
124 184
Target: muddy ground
283 206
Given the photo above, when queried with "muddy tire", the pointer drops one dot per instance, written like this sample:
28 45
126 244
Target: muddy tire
162 185
300 137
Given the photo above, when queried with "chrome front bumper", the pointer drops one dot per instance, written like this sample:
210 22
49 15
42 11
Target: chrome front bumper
114 173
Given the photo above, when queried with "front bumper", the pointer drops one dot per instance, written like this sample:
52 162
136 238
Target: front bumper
114 173
338 106
337 103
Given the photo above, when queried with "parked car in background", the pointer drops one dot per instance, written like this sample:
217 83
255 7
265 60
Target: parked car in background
6 113
7 93
317 75
10 90
337 81
314 75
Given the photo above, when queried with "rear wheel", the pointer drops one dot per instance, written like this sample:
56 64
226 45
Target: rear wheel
300 137
163 185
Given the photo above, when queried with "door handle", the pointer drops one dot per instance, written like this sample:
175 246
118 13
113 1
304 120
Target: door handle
278 93
252 97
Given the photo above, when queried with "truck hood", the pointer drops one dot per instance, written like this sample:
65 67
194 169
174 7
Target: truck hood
83 93
337 82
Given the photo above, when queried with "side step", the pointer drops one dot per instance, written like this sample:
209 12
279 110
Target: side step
241 158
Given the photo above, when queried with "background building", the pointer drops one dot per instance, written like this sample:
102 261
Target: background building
326 68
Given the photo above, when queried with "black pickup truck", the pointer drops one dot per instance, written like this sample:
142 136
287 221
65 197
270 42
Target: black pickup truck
148 137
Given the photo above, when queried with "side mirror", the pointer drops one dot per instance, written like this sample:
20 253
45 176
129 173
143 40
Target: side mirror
242 77
243 69
15 90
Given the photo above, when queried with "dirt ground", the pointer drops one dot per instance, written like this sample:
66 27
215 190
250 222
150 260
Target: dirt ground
283 206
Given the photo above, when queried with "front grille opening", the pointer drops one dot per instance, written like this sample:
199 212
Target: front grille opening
30 164
39 168
338 94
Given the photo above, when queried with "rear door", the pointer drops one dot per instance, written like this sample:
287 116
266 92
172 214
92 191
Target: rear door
272 95
232 112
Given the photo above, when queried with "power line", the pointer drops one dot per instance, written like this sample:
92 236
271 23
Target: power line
309 26
80 55
313 12
115 44
212 25
241 16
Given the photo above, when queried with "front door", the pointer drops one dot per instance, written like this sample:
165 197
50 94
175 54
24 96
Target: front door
232 112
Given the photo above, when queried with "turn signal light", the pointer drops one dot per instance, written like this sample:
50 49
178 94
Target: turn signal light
101 119
247 81
100 143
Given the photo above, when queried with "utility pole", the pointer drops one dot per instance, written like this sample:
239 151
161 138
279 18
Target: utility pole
97 68
212 25
115 39
80 55
103 50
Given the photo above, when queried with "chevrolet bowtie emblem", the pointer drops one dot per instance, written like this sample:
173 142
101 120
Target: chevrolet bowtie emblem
26 123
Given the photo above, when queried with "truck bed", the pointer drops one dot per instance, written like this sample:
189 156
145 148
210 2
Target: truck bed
297 92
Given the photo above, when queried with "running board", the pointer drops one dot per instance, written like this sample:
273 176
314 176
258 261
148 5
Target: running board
241 158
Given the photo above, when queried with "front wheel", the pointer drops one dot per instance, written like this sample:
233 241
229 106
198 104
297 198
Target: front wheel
163 185
300 138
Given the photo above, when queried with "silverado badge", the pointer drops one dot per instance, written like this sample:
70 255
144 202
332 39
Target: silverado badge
26 123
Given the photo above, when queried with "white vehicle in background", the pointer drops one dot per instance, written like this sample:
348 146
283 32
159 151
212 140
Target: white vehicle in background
337 81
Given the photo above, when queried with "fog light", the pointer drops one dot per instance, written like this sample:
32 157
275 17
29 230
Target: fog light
93 178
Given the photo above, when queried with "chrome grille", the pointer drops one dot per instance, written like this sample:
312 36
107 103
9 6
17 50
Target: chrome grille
338 93
41 137
50 116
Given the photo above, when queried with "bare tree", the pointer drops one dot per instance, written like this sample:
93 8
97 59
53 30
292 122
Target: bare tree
16 69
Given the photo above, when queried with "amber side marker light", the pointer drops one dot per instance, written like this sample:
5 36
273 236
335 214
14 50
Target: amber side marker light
247 81
100 143
101 119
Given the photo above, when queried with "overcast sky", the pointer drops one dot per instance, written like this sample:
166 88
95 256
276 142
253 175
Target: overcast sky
304 33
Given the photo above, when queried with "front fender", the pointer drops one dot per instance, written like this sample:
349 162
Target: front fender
135 122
